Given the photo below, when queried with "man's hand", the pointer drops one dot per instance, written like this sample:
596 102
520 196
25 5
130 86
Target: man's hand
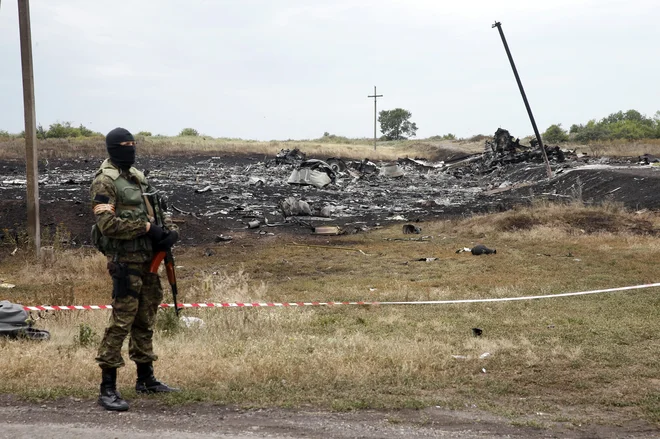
155 233
170 238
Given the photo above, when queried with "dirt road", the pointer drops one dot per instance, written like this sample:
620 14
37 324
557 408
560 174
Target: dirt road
148 418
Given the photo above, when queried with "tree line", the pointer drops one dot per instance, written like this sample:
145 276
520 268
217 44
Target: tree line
622 125
66 130
396 124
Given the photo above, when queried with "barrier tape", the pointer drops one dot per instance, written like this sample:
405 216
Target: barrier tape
294 304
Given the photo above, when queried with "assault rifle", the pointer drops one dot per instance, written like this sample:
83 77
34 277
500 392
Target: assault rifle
163 255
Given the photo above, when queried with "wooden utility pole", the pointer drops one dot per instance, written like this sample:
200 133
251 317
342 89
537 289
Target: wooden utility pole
375 96
31 156
498 25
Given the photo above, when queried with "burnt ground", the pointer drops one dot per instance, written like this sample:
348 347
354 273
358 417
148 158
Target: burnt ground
213 196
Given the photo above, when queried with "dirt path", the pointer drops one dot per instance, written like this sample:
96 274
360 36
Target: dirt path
75 418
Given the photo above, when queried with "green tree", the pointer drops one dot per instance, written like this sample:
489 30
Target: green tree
591 131
85 132
395 124
41 132
189 132
555 134
62 130
144 133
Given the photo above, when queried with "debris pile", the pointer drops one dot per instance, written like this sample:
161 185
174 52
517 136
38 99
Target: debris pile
503 149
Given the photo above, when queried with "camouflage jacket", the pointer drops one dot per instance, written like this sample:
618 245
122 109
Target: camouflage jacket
128 231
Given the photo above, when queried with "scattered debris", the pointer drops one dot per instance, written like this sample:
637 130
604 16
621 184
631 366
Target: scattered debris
222 238
289 157
477 332
427 259
411 229
6 285
355 194
258 181
328 230
391 170
192 322
313 172
481 249
647 159
293 207
484 355
337 164
420 239
459 357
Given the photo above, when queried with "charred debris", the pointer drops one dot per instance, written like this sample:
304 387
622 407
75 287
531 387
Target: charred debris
335 196
330 196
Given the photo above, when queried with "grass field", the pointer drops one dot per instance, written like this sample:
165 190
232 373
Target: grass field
345 148
352 149
575 360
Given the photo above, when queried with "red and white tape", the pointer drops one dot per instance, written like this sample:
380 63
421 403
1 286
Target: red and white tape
294 304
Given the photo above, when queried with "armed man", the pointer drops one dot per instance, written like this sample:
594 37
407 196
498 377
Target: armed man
127 215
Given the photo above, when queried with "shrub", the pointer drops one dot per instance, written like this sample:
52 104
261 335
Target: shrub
86 336
448 136
144 133
555 134
189 132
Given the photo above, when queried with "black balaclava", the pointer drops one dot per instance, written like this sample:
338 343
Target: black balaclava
121 155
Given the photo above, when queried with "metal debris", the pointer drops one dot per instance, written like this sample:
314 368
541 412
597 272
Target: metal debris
328 230
411 229
289 157
481 249
313 172
293 207
391 170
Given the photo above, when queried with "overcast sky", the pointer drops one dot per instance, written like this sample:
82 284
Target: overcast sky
280 69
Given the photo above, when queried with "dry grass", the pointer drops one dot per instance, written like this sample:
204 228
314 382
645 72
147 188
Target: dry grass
619 148
345 148
340 147
590 358
156 146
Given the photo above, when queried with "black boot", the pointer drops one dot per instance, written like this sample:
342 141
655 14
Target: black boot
109 398
147 382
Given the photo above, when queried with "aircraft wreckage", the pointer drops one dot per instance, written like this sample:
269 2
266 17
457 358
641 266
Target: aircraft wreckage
216 195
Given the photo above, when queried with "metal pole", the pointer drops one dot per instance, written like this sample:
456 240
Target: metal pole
30 125
498 25
375 96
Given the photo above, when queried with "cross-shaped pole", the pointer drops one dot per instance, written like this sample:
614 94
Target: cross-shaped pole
375 96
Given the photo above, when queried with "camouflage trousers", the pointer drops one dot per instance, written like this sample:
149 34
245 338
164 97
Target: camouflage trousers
133 312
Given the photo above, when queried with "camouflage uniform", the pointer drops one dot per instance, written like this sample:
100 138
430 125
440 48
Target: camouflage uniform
122 212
